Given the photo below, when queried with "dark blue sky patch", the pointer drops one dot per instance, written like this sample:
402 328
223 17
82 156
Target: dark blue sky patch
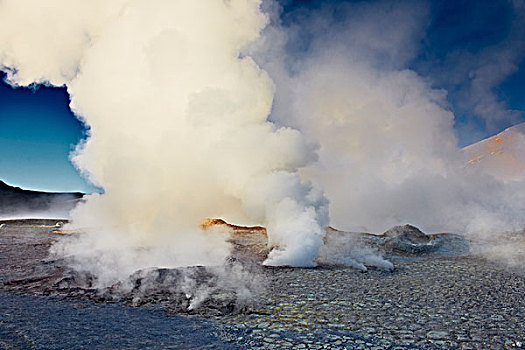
37 133
466 25
513 88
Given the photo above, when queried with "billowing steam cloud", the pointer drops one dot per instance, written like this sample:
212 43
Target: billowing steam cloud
388 152
178 128
179 108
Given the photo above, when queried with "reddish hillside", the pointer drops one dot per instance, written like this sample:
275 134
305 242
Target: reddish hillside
502 155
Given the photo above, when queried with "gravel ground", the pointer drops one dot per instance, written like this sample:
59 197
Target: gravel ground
433 301
29 322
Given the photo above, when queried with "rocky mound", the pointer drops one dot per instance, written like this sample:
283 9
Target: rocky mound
215 290
408 239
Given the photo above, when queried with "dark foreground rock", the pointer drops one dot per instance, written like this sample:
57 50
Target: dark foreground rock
432 300
29 322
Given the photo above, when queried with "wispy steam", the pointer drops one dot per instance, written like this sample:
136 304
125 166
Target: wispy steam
388 151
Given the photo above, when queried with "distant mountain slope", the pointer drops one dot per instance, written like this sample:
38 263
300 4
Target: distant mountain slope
502 155
17 202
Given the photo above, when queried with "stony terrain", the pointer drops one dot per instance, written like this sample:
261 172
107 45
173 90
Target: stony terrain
29 322
450 303
434 298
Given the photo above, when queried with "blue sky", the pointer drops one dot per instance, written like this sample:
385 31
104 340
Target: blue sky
461 42
37 133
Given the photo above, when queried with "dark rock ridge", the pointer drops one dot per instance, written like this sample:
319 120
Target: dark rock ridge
17 201
405 240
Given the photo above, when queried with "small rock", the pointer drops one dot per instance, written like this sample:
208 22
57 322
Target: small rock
437 335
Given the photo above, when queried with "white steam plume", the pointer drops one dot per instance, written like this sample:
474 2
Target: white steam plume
388 151
178 128
179 132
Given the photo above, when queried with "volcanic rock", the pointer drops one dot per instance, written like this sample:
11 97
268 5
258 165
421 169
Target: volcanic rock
409 239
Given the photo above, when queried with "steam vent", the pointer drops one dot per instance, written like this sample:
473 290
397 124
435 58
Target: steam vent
257 307
262 174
